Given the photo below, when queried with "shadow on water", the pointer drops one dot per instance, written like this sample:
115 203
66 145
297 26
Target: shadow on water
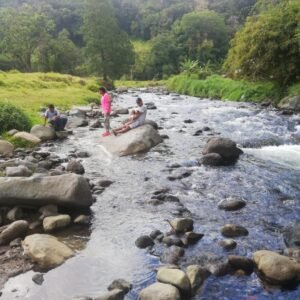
266 177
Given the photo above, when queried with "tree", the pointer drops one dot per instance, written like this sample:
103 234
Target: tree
203 36
267 48
108 48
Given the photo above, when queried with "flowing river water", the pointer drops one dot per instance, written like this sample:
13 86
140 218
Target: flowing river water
267 176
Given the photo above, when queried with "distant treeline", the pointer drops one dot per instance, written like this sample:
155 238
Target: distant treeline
146 39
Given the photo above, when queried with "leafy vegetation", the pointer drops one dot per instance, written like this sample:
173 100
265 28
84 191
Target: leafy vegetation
11 117
17 142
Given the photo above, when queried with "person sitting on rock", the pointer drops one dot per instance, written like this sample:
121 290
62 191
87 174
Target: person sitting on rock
137 118
55 119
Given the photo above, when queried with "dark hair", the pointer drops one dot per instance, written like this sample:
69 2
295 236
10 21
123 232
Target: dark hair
51 106
102 89
139 99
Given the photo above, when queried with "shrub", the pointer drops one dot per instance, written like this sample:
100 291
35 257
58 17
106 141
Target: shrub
12 117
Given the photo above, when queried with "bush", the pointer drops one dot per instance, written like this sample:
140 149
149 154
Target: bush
12 117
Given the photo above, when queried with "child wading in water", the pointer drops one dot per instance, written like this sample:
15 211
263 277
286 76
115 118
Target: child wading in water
106 110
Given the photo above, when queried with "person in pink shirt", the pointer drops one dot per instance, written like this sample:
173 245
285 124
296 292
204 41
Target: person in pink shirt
106 109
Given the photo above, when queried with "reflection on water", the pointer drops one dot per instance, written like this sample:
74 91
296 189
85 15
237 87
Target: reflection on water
267 178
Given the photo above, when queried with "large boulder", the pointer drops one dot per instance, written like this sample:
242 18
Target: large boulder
68 190
46 250
226 148
15 230
276 268
28 137
290 103
74 122
6 148
44 133
160 291
134 141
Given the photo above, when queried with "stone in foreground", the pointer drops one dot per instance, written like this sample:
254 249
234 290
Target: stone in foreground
44 133
276 268
28 137
68 190
14 230
6 148
160 291
134 141
46 250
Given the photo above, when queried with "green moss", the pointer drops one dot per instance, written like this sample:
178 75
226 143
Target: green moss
218 87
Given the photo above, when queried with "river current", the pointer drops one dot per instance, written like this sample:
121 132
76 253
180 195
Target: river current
267 176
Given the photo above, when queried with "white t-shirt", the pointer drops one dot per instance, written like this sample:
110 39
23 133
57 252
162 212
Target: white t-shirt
141 119
49 115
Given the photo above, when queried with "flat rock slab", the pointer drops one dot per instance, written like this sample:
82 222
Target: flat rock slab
68 190
134 141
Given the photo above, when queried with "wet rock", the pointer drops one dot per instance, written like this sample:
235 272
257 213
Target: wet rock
46 250
160 291
206 128
83 154
75 167
34 225
104 183
191 238
48 211
15 230
170 241
171 198
276 268
44 133
290 103
212 159
226 148
15 243
144 242
28 137
38 278
232 204
181 225
197 275
292 252
74 122
112 295
228 244
15 214
120 284
151 105
19 171
56 222
291 235
152 123
79 113
63 134
68 190
136 140
176 278
241 263
6 148
46 164
82 220
198 132
172 255
121 111
155 233
121 90
189 121
232 230
164 136
96 124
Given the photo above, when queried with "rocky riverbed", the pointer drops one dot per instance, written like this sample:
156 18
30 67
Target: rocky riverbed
216 223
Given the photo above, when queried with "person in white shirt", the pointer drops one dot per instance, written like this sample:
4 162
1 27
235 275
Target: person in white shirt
137 118
53 116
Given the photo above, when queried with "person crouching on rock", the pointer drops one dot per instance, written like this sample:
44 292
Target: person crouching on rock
106 109
55 119
137 118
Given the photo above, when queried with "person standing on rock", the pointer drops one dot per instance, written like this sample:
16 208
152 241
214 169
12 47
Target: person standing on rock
54 118
137 118
106 110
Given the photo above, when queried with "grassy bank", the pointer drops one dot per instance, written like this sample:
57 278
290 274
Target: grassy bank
139 84
218 87
31 91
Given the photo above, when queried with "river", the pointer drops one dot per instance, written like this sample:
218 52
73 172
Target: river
267 176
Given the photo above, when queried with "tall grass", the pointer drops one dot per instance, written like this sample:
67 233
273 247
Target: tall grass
218 87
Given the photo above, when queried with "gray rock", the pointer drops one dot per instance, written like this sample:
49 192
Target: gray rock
144 242
68 190
232 204
228 244
241 263
82 220
181 225
75 167
16 243
56 222
6 148
20 171
63 134
78 113
155 233
74 122
134 141
38 278
291 235
152 123
15 230
172 255
12 132
48 211
212 159
104 183
28 137
290 103
44 133
83 154
96 124
160 291
121 111
197 275
112 295
232 230
120 284
191 238
15 214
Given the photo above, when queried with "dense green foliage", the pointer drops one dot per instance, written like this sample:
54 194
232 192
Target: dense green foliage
267 48
12 117
218 87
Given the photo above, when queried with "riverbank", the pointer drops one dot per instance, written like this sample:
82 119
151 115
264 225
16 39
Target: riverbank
219 87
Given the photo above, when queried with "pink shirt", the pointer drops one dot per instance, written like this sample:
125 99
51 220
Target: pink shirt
106 104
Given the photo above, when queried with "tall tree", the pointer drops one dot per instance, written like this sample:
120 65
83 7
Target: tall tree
109 50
